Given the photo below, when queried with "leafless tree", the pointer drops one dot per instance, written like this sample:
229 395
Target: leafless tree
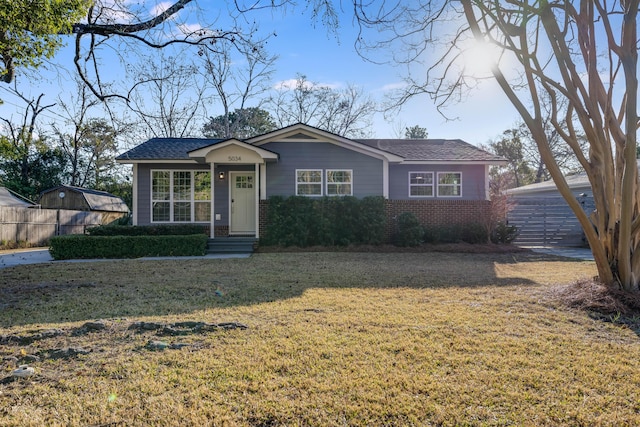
582 53
346 112
75 111
168 99
236 79
22 137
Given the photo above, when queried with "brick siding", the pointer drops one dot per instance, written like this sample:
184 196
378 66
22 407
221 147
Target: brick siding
438 212
428 212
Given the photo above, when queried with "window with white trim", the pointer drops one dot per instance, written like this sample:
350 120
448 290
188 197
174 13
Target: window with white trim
309 182
420 184
339 182
180 196
449 184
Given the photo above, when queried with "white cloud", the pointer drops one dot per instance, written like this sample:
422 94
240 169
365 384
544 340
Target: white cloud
293 83
393 86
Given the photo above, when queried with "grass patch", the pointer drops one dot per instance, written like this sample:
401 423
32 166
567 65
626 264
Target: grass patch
331 339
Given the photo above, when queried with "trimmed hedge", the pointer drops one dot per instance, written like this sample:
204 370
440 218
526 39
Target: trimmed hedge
147 230
81 246
325 221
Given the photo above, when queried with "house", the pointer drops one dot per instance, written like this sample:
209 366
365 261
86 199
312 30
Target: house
84 199
543 217
226 184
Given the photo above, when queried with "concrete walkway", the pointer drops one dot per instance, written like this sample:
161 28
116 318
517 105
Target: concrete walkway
577 253
42 256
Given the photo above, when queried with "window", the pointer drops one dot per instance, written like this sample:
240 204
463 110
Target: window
309 182
161 195
420 184
180 196
450 184
339 183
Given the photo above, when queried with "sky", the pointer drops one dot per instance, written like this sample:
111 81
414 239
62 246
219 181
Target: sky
315 52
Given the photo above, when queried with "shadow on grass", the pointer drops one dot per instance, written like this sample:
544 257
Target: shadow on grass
74 292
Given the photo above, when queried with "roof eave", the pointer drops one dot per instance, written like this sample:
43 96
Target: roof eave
455 161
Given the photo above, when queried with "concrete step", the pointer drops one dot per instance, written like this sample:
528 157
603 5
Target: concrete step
231 245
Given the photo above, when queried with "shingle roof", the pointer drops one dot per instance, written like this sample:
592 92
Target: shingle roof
9 198
409 149
432 149
166 148
96 200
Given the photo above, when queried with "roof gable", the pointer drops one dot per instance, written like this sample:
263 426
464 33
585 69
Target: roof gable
221 151
305 133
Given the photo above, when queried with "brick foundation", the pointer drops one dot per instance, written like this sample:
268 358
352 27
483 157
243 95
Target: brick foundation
438 212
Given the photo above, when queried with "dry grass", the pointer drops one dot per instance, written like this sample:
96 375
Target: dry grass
332 339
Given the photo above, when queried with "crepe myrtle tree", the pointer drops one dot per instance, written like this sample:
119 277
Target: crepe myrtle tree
581 54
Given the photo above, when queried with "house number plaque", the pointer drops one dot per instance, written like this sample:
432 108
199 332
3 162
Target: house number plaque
234 158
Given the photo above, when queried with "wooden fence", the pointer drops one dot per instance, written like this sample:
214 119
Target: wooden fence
37 226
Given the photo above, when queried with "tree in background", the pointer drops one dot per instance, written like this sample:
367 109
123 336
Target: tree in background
510 146
98 139
236 80
416 132
580 54
242 124
168 98
347 112
28 164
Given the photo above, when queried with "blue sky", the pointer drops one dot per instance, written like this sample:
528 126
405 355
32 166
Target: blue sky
314 51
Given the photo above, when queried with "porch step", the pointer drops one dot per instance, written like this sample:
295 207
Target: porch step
231 245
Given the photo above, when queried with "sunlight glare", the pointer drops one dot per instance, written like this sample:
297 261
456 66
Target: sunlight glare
479 58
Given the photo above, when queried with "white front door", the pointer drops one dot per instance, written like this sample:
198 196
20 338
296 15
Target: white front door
243 203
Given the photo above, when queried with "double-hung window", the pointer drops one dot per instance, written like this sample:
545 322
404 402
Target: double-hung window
449 184
180 196
309 182
318 182
339 183
420 184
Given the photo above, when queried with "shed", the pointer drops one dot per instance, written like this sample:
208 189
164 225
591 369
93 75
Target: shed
9 198
543 217
84 199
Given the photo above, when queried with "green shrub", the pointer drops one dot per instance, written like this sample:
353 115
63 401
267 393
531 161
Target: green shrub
504 233
410 232
147 230
326 221
473 233
82 246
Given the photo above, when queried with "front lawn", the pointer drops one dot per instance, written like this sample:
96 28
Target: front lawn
318 339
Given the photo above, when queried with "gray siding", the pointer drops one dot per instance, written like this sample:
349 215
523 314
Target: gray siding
281 176
473 181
